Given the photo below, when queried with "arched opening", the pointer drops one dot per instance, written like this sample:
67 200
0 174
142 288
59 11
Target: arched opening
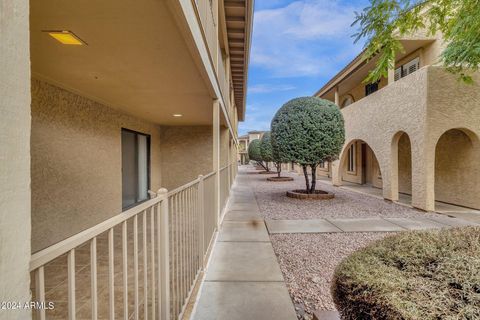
359 167
402 150
457 169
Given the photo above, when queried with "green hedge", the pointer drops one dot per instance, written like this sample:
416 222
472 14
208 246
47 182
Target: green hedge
413 275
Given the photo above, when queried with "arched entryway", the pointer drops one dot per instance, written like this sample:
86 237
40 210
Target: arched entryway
402 166
359 166
457 168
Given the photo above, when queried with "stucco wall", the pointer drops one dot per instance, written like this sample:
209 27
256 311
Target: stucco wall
457 177
404 165
452 104
15 156
359 91
377 118
76 162
224 146
187 151
424 105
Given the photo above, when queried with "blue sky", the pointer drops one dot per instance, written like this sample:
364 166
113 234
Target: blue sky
296 47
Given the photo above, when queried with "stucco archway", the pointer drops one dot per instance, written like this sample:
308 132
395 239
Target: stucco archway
401 165
359 165
457 169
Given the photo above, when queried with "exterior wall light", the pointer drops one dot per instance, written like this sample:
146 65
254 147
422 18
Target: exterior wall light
177 115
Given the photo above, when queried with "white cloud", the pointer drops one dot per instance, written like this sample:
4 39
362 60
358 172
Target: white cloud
303 38
267 88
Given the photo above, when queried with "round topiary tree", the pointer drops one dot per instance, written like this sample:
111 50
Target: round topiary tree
271 155
266 149
308 130
254 152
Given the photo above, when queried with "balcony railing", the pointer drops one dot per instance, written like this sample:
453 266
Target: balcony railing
140 264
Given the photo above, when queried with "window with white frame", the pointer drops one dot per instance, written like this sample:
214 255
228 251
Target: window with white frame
351 158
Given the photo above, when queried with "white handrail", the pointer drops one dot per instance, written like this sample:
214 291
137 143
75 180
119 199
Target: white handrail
48 254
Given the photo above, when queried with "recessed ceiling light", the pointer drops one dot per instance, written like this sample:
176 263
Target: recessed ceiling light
66 37
177 115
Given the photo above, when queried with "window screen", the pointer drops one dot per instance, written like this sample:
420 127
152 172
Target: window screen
135 168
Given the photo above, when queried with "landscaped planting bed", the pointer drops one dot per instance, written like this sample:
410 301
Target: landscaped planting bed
416 275
308 262
274 204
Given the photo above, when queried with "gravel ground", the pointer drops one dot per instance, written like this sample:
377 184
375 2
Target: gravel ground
308 262
347 204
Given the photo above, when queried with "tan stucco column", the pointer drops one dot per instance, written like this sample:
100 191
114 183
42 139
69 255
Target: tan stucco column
423 176
216 157
391 76
337 96
336 176
15 157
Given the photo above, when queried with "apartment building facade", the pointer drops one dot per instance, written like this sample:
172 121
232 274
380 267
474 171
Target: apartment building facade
415 132
244 141
116 116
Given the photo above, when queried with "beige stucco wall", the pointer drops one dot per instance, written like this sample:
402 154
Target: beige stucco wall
187 151
358 92
76 162
404 165
14 156
423 105
376 119
452 104
372 170
225 156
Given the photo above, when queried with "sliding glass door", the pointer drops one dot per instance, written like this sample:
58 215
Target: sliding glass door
135 167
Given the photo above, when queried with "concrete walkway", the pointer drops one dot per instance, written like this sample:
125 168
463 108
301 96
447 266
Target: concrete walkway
375 224
243 279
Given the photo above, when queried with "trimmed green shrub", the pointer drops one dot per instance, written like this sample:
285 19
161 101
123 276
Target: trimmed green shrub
269 154
413 275
308 130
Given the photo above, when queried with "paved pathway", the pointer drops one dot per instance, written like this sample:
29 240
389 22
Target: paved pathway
243 280
375 224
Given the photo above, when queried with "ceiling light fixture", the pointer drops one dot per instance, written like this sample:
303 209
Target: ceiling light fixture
66 37
177 115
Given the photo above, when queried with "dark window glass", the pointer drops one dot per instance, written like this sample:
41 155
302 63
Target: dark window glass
371 88
135 168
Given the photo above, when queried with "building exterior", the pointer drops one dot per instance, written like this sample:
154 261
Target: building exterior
415 132
244 141
106 106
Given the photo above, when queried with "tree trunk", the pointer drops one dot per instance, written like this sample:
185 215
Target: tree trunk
314 179
260 163
266 162
279 168
306 178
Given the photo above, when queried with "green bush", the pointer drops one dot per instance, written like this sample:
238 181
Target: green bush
308 130
412 275
266 147
254 152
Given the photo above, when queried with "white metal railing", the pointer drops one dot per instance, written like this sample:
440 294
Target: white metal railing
224 186
154 250
98 246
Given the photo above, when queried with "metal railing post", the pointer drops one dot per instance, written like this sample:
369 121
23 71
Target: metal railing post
201 194
163 247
